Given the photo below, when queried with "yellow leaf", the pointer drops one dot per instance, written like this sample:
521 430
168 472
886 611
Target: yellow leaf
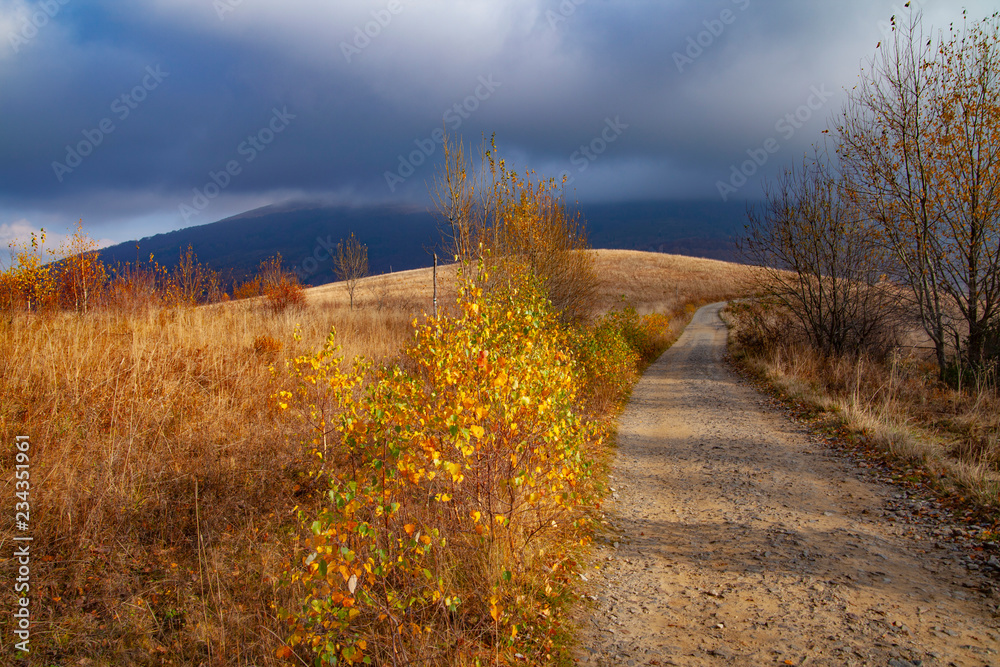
477 431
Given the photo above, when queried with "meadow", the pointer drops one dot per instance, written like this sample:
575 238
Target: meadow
169 485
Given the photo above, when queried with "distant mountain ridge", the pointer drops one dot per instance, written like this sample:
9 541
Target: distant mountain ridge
399 238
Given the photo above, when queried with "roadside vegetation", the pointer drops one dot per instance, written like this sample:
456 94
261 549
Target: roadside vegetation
278 476
880 300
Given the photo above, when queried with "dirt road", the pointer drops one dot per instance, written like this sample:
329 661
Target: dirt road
737 538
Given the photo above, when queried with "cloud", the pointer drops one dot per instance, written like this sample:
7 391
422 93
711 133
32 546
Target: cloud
18 232
366 81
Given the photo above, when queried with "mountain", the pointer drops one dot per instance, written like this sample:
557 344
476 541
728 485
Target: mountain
398 238
693 228
305 235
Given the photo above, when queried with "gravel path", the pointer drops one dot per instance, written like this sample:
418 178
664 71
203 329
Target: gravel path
736 537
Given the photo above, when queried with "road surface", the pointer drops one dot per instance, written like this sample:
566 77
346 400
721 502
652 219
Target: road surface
736 537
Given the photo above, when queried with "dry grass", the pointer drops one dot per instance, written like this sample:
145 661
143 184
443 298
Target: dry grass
655 282
162 475
652 282
163 478
898 405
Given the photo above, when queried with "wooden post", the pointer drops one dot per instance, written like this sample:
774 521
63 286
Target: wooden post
435 285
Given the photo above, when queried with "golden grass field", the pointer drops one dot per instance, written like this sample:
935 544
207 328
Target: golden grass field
164 478
652 282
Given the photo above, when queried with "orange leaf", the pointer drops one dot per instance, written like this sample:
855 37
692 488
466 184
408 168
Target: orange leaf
284 653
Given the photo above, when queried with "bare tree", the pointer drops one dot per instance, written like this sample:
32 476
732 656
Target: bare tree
352 263
820 260
965 127
920 146
455 191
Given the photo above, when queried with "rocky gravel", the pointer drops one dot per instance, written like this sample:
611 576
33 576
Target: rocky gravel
735 535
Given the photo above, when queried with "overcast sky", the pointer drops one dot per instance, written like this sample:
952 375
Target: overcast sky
150 115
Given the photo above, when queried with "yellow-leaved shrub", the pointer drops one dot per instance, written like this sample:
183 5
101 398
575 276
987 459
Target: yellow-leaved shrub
445 469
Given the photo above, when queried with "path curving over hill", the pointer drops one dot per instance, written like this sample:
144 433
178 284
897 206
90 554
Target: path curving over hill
737 538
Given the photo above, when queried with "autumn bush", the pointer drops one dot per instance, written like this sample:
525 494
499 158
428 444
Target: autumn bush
446 471
30 282
249 288
73 277
457 475
612 353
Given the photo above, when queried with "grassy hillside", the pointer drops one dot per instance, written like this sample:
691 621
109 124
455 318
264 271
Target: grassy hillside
650 281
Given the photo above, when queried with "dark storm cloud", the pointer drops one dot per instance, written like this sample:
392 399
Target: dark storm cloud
127 112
